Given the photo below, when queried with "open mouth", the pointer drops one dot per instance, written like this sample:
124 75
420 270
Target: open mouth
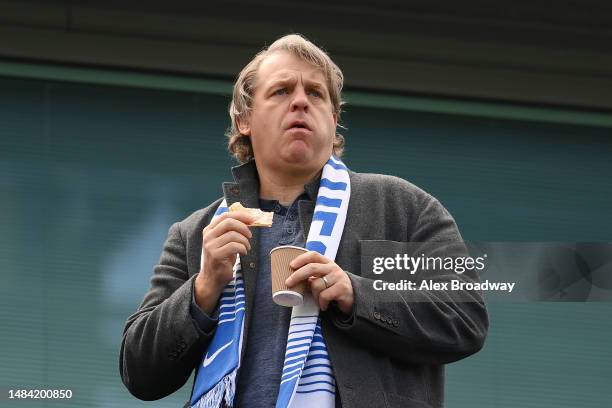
299 125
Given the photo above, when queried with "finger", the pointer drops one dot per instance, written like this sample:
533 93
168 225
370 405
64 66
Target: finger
316 286
328 295
229 250
230 224
306 271
230 236
242 216
339 289
308 257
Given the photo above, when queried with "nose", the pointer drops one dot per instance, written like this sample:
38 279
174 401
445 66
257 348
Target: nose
299 100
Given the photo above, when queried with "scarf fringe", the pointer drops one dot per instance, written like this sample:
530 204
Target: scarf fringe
224 390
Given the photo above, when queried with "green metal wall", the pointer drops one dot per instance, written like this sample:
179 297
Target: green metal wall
92 176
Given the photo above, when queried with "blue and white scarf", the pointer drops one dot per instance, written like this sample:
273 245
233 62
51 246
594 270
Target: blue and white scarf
307 378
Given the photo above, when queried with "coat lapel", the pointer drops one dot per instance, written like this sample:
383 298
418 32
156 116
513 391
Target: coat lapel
245 189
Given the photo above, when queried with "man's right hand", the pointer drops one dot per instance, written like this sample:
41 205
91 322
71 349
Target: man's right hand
222 240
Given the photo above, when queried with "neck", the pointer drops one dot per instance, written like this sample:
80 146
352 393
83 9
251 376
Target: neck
284 187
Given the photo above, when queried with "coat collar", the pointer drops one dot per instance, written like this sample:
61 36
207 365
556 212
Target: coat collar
245 187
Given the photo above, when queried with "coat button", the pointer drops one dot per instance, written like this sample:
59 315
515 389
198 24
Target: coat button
377 315
252 264
395 323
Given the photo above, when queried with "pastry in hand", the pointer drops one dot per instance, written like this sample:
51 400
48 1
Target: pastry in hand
262 218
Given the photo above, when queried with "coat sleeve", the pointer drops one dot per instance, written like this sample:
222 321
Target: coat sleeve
162 344
422 326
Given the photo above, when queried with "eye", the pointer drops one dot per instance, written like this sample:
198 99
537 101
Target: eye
315 93
281 91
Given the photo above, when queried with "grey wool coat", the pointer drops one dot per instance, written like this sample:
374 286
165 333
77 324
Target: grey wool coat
390 353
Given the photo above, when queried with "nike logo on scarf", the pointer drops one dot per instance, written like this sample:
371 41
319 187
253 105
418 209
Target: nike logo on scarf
209 360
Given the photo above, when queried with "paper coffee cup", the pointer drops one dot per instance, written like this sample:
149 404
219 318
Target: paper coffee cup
281 257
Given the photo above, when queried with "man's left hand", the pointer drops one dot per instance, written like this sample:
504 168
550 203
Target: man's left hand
336 286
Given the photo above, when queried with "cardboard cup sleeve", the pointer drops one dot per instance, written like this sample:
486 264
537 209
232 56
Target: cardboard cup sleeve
280 257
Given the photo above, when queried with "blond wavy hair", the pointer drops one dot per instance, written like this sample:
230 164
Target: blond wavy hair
244 89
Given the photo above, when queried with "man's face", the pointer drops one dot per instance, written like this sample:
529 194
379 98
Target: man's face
292 124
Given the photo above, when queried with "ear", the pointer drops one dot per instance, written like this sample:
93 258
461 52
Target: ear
244 126
335 116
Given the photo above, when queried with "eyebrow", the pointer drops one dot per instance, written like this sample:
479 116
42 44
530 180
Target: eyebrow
285 79
289 76
315 84
280 81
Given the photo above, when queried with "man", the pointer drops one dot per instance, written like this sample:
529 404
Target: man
210 308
